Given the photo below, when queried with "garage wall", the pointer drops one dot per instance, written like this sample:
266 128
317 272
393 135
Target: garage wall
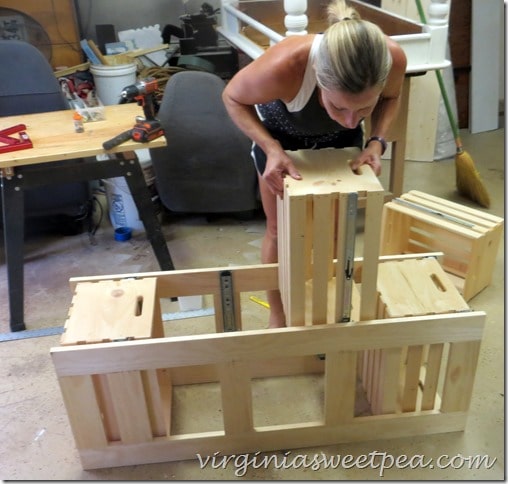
132 14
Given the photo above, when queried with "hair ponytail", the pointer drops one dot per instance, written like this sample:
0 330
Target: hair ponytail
339 10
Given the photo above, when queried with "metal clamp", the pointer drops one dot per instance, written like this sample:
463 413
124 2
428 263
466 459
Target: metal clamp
228 303
349 254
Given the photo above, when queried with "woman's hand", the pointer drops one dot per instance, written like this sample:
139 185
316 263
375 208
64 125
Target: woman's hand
277 167
369 156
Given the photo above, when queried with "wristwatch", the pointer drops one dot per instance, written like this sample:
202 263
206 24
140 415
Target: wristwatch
380 140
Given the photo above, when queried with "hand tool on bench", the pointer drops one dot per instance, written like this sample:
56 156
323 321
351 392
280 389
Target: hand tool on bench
14 144
147 128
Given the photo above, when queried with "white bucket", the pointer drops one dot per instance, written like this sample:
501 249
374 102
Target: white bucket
121 206
110 81
190 303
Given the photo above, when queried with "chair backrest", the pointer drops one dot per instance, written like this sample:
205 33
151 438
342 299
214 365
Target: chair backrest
28 85
192 109
27 82
206 166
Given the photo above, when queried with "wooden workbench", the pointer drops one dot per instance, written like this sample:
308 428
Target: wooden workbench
54 140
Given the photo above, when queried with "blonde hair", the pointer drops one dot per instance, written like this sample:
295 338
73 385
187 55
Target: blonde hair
353 55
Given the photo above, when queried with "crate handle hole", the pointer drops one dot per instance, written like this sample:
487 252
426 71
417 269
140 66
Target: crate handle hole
139 306
437 282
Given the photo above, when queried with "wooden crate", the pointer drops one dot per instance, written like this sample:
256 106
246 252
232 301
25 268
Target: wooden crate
469 238
113 310
393 370
134 403
408 288
312 220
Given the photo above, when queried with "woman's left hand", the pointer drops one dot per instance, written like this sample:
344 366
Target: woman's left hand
369 156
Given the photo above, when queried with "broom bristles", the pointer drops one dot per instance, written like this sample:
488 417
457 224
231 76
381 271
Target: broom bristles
469 183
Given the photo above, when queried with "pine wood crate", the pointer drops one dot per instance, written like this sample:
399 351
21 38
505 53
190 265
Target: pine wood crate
313 220
469 238
409 288
118 394
118 310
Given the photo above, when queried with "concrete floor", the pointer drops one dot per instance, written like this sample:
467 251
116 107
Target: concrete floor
36 438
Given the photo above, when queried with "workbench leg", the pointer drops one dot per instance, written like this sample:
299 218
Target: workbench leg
141 195
13 216
13 219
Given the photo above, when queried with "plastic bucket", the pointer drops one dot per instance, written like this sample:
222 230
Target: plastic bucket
110 81
121 206
190 303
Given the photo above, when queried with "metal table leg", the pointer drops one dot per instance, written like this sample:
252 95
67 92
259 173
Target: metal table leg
141 195
13 201
54 173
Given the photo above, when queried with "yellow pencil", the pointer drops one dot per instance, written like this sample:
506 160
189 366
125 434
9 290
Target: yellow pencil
260 301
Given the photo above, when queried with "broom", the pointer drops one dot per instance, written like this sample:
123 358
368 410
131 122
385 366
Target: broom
467 177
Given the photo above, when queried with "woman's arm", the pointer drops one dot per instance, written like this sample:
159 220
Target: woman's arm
386 109
277 74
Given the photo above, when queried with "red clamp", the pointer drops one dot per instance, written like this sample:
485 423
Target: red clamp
14 144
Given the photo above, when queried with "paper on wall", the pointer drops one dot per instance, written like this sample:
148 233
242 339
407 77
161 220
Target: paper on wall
144 38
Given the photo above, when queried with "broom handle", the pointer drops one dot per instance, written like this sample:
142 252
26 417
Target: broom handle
453 122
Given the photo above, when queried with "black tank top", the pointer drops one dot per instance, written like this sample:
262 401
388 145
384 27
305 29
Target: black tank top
312 120
308 128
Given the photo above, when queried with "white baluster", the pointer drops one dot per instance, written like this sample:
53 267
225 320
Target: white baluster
229 22
296 19
438 12
437 25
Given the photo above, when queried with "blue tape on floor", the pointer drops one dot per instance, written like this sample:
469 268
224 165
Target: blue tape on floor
31 333
196 313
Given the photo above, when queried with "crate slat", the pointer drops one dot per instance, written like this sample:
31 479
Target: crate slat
236 398
128 398
83 411
432 369
321 256
460 372
340 374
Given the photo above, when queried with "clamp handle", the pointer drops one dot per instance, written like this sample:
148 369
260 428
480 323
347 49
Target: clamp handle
4 133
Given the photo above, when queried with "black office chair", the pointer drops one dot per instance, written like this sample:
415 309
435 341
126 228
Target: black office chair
206 166
28 85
